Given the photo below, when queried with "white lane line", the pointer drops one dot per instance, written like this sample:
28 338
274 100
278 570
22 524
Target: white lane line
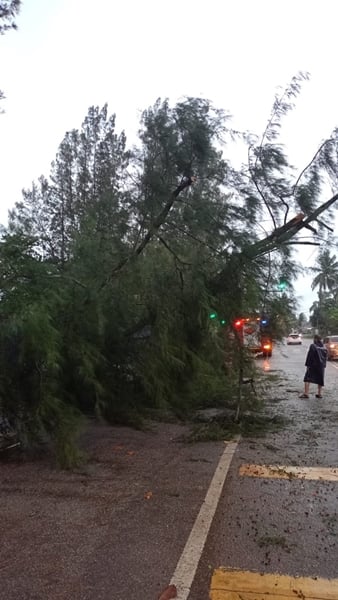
184 574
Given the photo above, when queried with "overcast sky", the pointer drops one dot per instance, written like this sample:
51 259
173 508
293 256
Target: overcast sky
70 54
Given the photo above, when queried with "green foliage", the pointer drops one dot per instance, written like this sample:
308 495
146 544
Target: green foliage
324 311
112 266
224 427
31 389
326 270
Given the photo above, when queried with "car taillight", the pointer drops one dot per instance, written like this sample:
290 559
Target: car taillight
267 346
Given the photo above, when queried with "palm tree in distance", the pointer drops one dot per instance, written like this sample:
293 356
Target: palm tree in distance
326 278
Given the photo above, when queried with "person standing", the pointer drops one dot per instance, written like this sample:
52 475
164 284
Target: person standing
315 367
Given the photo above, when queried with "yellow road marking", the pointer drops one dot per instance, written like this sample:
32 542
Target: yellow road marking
230 584
289 472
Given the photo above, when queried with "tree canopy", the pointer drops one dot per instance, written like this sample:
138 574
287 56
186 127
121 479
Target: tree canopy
111 265
324 313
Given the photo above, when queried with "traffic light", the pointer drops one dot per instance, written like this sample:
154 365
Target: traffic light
213 315
282 285
238 323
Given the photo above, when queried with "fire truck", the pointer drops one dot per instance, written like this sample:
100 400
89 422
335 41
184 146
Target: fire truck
254 335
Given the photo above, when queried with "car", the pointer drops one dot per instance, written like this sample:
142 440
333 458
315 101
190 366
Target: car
331 345
294 339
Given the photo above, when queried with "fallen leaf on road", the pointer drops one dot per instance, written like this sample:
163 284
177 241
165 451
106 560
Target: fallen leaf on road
168 593
131 452
147 496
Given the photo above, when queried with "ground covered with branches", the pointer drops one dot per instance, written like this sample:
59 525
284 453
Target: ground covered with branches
110 525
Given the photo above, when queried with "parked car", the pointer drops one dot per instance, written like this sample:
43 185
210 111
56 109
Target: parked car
294 339
331 345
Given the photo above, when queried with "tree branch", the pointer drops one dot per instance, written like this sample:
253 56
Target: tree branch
193 237
253 177
177 258
158 221
309 165
276 239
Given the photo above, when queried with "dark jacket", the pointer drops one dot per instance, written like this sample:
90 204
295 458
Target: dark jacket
316 356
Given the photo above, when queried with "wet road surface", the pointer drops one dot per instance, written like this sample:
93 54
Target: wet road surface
281 524
116 529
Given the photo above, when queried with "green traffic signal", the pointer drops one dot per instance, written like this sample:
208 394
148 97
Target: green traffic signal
213 315
282 285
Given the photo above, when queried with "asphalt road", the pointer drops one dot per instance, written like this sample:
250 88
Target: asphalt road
291 360
283 524
117 528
